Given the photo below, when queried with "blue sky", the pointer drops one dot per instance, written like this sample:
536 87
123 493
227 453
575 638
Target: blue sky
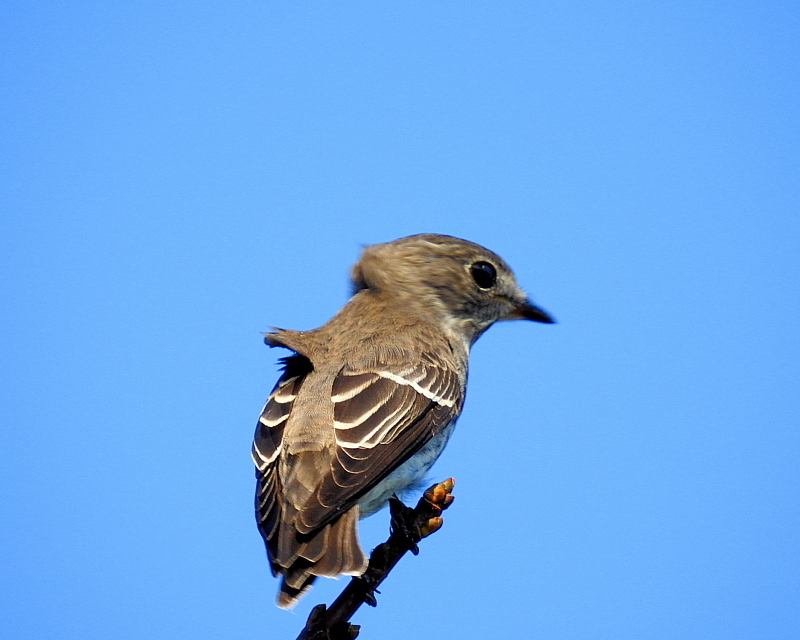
179 177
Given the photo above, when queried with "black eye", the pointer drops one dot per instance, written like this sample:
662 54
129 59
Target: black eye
484 274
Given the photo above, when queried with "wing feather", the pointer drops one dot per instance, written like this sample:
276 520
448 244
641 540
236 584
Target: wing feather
382 416
267 445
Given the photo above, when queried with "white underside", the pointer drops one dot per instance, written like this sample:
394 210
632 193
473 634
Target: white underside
407 475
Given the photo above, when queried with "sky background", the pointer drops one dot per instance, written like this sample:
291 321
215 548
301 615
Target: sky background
177 177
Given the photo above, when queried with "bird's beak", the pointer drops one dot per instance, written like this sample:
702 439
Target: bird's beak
526 310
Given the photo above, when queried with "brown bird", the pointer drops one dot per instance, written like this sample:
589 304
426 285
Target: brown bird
367 402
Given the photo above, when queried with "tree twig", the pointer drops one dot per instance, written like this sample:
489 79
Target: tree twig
408 527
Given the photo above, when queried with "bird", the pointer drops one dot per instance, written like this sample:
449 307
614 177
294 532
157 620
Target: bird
366 403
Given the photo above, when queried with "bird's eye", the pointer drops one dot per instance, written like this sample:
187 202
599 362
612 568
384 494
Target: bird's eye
484 274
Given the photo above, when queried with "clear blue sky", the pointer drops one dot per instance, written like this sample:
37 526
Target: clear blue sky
179 176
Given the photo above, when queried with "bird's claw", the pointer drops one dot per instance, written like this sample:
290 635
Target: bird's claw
404 524
414 524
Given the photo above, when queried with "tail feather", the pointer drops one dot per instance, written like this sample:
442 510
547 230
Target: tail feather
295 583
343 553
317 546
330 552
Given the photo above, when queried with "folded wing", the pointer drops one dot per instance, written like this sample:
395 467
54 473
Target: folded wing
382 414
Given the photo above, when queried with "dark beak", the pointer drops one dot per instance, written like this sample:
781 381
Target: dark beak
529 311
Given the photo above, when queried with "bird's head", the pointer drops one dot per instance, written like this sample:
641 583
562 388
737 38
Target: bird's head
467 286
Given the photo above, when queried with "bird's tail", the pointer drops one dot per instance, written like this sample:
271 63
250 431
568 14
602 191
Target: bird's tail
332 551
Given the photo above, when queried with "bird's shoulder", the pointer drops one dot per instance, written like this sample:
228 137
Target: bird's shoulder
370 333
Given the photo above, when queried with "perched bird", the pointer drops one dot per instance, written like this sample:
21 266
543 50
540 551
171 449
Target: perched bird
367 402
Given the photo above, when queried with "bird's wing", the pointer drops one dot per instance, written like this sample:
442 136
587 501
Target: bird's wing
383 414
268 441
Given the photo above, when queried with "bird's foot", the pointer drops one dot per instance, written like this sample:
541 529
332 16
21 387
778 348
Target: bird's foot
404 524
412 525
